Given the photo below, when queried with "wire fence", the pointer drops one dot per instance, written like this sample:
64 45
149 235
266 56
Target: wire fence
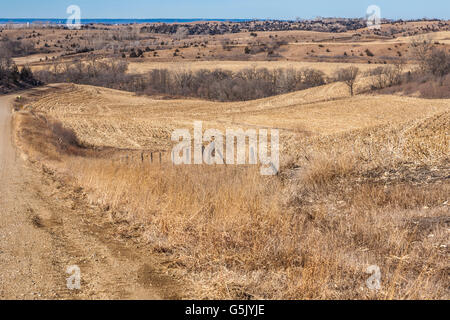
209 156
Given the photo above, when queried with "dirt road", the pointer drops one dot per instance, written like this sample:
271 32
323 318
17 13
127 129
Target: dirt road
46 226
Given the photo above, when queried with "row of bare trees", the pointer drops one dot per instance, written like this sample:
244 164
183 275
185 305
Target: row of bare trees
10 77
220 85
430 58
107 72
387 76
382 77
225 85
433 62
17 48
433 67
348 76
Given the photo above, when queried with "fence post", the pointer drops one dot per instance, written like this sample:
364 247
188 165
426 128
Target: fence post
151 157
220 155
142 157
160 158
188 155
252 156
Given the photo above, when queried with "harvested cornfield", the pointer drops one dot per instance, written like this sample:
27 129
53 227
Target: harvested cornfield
364 181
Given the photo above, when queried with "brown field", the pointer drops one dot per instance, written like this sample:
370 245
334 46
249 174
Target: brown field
105 117
364 181
297 48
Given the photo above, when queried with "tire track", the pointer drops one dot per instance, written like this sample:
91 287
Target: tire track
46 226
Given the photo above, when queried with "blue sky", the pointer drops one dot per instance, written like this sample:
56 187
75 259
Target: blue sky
274 9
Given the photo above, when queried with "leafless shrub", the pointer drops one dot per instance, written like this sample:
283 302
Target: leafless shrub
438 63
5 58
313 77
64 135
17 47
430 80
221 85
94 71
431 59
387 76
181 33
224 85
10 77
226 44
421 48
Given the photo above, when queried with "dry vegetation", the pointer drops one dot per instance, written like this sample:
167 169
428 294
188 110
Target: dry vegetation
143 49
10 77
364 181
328 68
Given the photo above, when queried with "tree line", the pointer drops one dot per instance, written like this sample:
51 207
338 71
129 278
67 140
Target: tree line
11 78
219 85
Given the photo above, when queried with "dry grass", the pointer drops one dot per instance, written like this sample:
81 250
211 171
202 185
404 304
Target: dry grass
105 117
235 234
364 182
329 68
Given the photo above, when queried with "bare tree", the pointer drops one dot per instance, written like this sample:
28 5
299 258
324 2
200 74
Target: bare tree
348 76
226 44
182 33
55 67
313 77
438 63
387 76
421 48
431 59
5 57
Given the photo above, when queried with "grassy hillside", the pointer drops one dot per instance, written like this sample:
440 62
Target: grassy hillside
364 181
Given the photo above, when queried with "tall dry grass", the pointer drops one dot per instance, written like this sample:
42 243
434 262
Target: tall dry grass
236 234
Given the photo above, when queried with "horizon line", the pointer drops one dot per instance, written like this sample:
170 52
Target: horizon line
212 19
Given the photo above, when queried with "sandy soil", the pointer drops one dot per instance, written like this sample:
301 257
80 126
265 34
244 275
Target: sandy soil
45 227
